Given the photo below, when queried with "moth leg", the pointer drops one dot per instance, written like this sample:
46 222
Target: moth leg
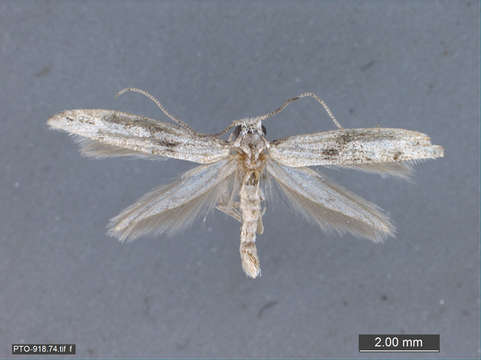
260 224
234 211
231 209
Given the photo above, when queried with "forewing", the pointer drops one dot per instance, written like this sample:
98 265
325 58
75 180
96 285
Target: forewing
329 205
105 133
356 148
172 207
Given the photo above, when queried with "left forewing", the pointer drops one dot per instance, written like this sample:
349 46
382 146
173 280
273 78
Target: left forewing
351 147
174 206
329 205
105 133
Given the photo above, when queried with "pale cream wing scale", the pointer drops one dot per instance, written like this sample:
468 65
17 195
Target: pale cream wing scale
105 133
171 207
364 149
329 205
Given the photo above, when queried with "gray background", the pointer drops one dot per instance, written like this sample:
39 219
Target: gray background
409 64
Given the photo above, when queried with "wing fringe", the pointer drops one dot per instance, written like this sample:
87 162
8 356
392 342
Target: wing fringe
330 206
95 149
172 207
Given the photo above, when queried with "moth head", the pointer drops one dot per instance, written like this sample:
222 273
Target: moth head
249 127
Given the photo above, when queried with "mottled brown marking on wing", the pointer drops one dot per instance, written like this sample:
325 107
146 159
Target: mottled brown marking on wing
330 152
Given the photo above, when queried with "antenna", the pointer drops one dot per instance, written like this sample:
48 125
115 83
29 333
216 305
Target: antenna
306 94
159 105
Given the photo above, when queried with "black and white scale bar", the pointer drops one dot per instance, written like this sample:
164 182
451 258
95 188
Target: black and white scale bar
399 343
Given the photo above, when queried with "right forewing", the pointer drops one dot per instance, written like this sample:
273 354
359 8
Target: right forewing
355 148
174 206
330 205
104 133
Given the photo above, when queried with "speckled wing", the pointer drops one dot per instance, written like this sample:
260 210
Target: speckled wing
329 205
106 133
355 147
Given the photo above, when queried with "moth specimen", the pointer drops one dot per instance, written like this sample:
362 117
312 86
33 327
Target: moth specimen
234 171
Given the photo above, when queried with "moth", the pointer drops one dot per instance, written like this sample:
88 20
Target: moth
234 172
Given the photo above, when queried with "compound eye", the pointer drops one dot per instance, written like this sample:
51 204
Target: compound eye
237 131
264 130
